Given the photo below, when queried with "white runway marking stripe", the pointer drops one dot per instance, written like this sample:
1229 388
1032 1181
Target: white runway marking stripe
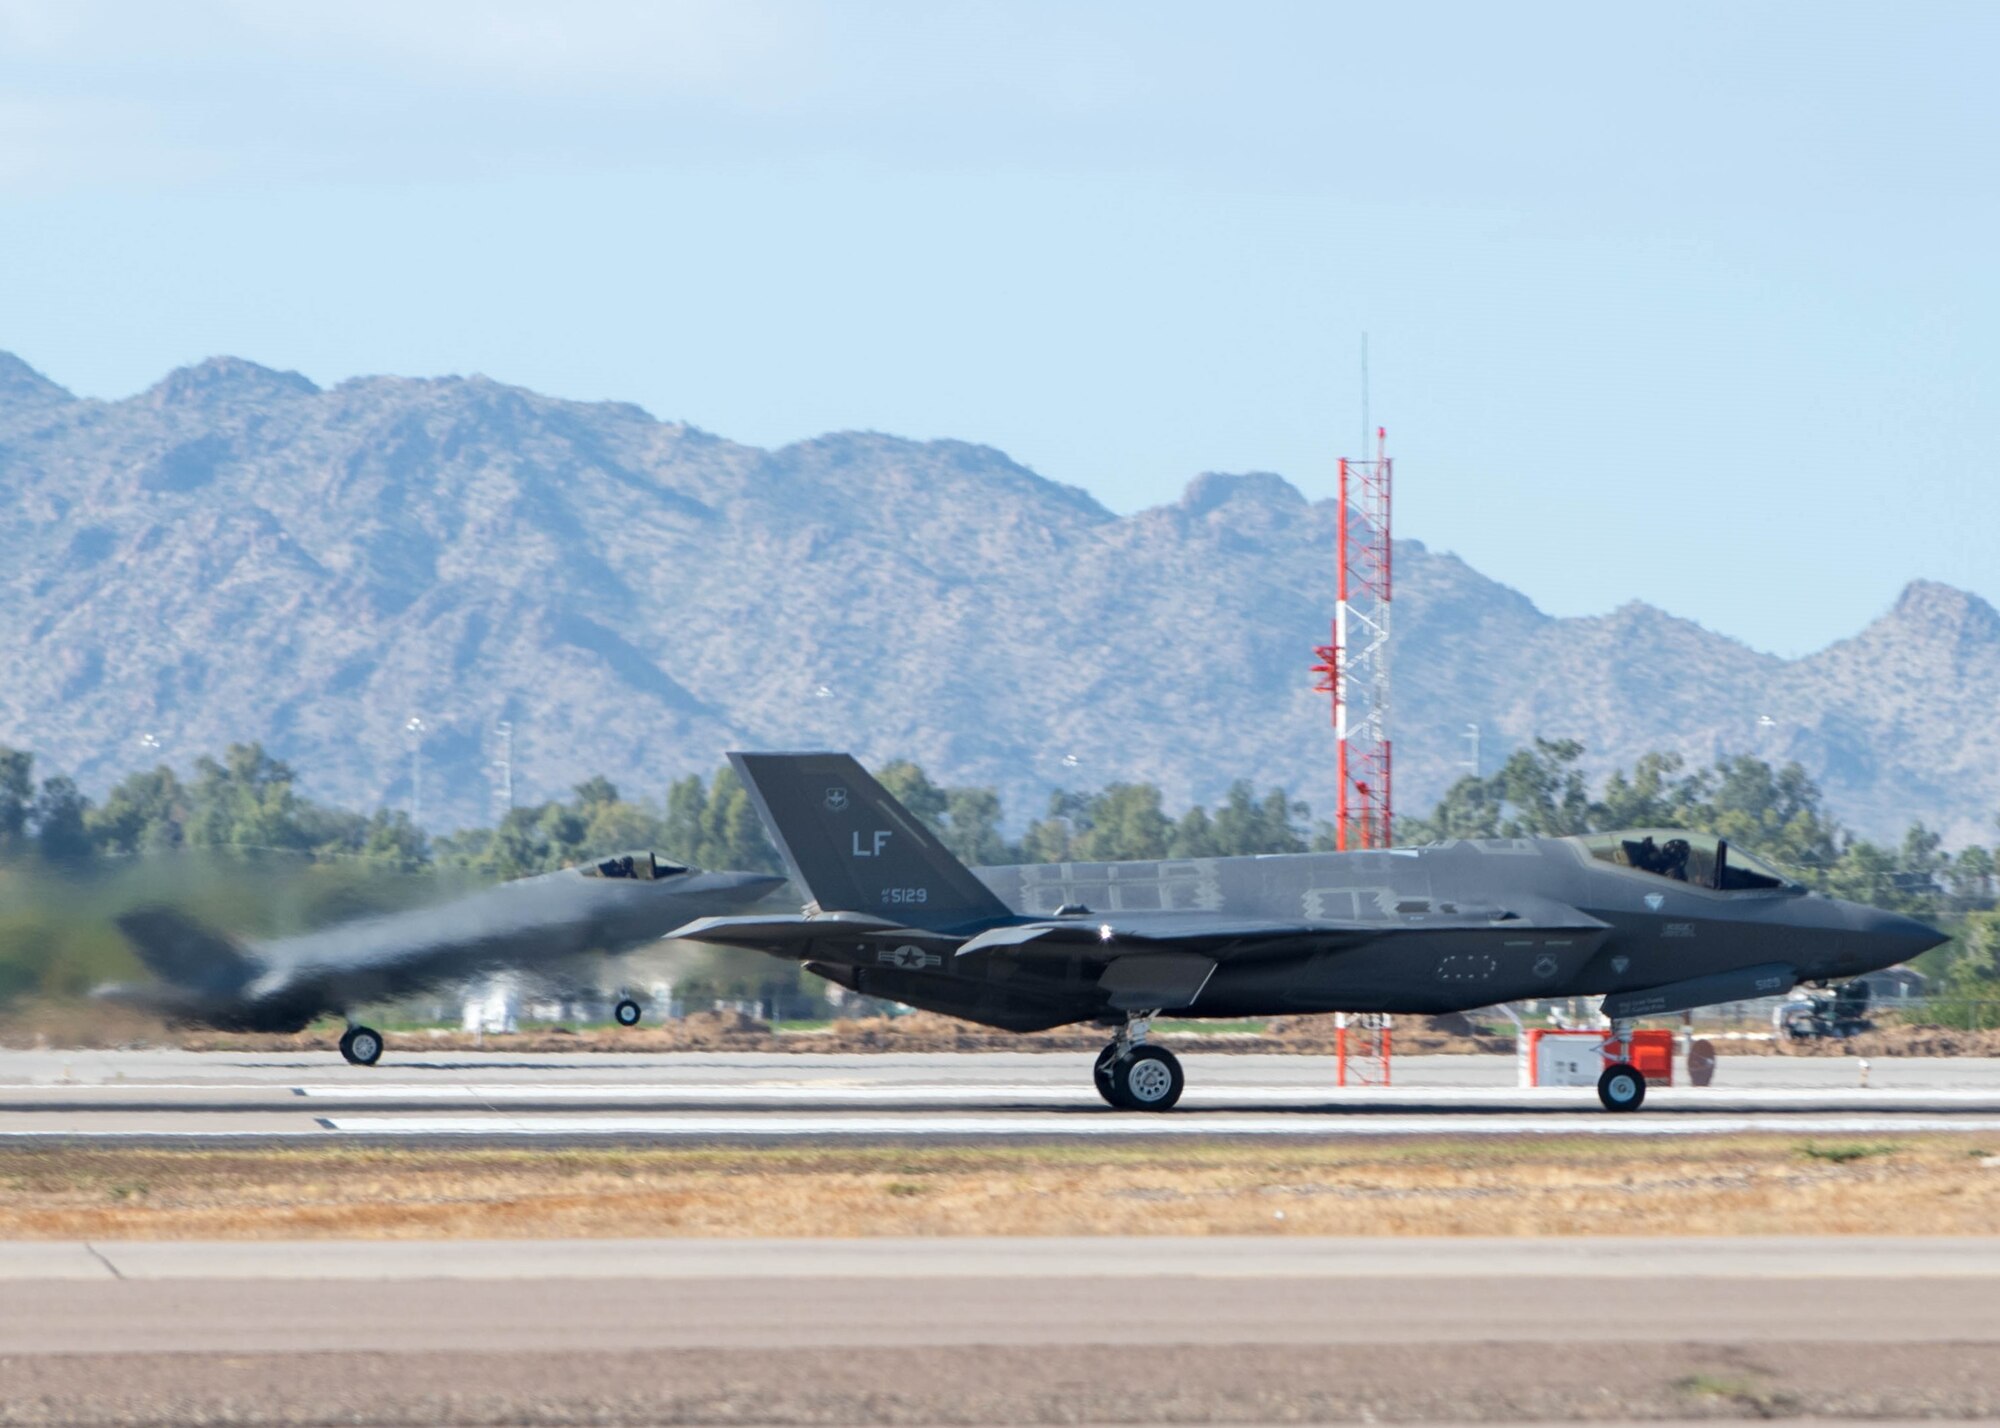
820 1092
1110 1124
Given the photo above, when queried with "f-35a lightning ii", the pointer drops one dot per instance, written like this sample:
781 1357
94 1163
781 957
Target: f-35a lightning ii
1654 921
616 905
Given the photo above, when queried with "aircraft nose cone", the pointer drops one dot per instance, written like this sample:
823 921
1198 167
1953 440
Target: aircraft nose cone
1899 938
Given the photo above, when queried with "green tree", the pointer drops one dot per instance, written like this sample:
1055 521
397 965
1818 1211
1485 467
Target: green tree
1194 835
972 828
1121 823
246 802
391 840
17 800
1245 825
59 811
143 813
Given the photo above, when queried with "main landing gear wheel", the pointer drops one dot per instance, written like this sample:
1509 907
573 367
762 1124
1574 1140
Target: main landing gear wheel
627 1011
1621 1088
1149 1079
361 1045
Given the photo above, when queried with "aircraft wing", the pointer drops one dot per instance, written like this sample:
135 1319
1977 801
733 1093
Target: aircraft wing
1115 935
1165 959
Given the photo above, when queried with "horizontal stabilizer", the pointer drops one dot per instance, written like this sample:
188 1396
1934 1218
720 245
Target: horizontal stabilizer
1772 979
780 932
177 949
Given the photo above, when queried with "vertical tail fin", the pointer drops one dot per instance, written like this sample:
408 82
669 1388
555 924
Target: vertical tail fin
854 848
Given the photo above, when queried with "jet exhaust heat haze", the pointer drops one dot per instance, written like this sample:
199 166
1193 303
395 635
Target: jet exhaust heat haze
614 905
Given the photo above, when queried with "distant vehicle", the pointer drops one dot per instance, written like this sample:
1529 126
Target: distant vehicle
1835 1013
614 905
1655 920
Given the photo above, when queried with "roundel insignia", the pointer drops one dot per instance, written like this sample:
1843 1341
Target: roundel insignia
836 799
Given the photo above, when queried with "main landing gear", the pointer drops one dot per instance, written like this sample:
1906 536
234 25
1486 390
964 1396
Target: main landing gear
1133 1076
361 1045
627 1012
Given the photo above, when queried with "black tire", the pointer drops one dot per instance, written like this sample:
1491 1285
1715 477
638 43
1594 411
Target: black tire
1106 1083
1621 1088
1150 1079
627 1012
361 1045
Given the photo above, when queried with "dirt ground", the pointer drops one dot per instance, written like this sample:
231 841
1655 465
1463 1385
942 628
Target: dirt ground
1183 1383
1044 1384
1443 1186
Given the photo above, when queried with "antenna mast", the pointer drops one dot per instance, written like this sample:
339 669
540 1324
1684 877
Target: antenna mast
1354 668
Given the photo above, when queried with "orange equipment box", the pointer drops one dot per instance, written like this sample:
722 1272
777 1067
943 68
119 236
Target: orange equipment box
1551 1057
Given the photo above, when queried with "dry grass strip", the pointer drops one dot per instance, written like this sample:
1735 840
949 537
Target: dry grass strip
1436 1186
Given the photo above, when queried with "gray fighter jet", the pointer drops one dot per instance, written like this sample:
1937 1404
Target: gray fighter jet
1654 921
616 905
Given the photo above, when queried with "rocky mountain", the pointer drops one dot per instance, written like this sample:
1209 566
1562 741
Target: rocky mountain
237 554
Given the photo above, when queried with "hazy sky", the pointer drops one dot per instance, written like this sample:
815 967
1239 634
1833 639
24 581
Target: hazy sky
1696 304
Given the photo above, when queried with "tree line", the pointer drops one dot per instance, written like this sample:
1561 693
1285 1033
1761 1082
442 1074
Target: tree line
247 802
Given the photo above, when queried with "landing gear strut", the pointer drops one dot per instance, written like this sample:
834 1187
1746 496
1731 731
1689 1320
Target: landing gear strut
1133 1076
627 1012
361 1045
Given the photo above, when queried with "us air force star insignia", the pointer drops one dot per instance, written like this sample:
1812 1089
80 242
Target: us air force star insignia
1656 901
910 959
1545 965
836 799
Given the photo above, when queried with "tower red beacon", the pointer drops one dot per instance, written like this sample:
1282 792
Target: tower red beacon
1354 668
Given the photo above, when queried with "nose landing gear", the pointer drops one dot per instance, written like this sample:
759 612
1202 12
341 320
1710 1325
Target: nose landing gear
361 1045
1132 1076
627 1012
1621 1088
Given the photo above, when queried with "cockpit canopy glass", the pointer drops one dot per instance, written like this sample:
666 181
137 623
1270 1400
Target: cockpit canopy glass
641 867
1697 858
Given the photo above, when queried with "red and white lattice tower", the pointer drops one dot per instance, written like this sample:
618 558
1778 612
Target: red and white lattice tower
1354 668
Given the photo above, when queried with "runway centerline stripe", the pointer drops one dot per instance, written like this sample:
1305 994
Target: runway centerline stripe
1130 1125
1722 1098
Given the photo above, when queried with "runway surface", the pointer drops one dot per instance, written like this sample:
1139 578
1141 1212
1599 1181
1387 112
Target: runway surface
999 1331
697 1097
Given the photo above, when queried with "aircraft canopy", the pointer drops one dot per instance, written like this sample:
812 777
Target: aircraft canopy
644 867
1698 858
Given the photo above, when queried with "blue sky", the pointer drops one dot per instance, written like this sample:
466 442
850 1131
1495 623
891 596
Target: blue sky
1696 304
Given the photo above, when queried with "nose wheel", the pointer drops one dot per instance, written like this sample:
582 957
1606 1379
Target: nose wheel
1621 1088
361 1045
627 1012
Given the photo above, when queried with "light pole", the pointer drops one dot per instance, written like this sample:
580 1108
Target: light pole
505 729
415 729
1472 737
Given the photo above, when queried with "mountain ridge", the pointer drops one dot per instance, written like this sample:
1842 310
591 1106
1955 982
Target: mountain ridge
239 553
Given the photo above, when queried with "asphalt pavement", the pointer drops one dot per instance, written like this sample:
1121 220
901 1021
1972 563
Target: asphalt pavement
996 1331
750 1096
